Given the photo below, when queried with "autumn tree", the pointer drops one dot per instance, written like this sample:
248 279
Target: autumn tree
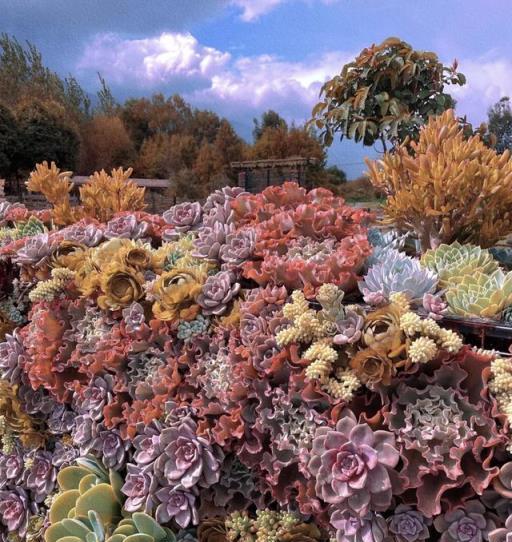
229 147
145 117
106 144
386 94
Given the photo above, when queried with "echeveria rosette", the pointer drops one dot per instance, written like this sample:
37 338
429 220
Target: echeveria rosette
467 523
352 527
15 508
126 227
183 218
354 465
187 459
446 432
218 291
41 476
11 358
396 272
177 504
409 525
139 487
36 250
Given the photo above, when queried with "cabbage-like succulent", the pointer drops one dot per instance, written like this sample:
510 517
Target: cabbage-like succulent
468 524
352 465
453 262
88 509
481 295
397 272
217 292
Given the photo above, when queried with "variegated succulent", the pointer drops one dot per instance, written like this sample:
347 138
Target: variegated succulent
480 294
453 262
88 509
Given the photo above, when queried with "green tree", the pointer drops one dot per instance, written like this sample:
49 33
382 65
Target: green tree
23 76
43 134
386 94
8 142
500 124
269 119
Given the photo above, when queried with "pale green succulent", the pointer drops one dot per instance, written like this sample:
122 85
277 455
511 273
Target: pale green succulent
481 295
88 508
455 261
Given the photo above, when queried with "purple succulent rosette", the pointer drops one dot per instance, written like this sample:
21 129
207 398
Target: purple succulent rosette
353 465
352 527
465 524
125 227
178 505
218 291
183 218
186 458
36 250
409 525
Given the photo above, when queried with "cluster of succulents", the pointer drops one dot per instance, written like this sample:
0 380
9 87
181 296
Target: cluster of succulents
213 375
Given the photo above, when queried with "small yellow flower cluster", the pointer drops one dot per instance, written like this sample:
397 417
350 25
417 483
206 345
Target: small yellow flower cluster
47 290
401 300
432 338
344 385
317 328
422 350
501 385
307 325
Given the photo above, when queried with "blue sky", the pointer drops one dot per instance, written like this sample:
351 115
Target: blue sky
241 57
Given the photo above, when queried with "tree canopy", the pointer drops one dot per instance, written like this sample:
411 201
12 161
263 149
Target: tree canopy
386 94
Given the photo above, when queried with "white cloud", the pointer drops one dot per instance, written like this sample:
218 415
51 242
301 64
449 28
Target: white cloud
176 62
152 61
254 9
489 78
265 81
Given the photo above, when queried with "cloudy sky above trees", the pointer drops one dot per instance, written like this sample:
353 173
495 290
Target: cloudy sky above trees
241 57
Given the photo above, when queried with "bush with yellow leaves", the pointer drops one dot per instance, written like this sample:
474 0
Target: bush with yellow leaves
101 198
446 187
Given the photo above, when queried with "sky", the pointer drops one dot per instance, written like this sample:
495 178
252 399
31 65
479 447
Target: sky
242 57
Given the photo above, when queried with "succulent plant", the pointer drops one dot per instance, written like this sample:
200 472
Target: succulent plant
397 272
88 508
452 262
481 295
217 292
350 527
352 465
408 525
125 227
504 534
468 524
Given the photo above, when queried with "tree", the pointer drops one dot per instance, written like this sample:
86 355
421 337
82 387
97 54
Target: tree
228 147
500 124
44 134
207 167
146 117
269 119
386 94
23 76
107 104
281 142
205 125
8 142
106 145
